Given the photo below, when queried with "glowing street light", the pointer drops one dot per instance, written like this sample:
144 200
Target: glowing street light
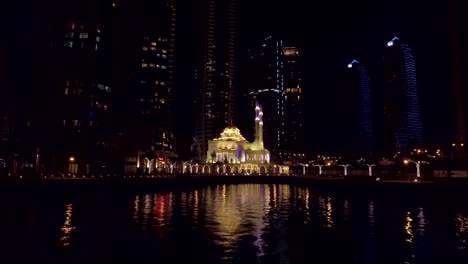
370 168
71 159
418 166
345 168
320 168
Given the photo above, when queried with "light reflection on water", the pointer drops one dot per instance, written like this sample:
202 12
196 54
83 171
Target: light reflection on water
461 222
67 227
252 223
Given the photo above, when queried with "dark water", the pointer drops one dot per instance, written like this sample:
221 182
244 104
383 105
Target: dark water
231 224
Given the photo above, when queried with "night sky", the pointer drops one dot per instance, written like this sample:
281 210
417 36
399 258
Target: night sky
333 33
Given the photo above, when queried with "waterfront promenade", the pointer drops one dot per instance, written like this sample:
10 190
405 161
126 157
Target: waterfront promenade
359 184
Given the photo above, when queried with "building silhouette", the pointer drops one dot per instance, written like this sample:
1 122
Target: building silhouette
361 120
213 73
149 134
275 82
66 126
293 127
401 125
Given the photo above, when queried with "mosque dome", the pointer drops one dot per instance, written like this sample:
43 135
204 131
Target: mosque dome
231 133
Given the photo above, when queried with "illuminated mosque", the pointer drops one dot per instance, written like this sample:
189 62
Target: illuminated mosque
239 156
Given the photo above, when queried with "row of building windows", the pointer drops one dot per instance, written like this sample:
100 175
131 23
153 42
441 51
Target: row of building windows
153 65
294 90
76 122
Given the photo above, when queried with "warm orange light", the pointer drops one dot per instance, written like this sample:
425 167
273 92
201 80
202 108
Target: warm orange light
72 159
406 161
461 144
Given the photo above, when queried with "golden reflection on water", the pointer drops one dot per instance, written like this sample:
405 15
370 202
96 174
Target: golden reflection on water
461 223
67 227
326 210
239 212
329 213
409 228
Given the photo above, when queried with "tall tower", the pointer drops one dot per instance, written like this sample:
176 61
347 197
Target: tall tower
258 126
402 126
74 126
266 89
362 134
276 83
293 121
155 142
214 71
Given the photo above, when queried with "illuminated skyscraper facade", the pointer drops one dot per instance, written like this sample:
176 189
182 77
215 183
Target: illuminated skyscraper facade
361 116
152 137
276 83
293 126
266 88
214 71
401 120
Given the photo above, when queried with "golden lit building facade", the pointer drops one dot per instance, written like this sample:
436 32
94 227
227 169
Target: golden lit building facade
232 153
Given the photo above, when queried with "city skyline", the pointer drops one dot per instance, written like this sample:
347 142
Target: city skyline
326 52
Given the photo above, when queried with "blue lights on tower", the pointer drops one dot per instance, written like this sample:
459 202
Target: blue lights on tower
408 132
365 131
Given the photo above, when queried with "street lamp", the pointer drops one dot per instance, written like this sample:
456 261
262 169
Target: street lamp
71 159
418 166
370 168
320 168
345 168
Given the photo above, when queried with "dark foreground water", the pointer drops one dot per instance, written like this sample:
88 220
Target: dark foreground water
231 224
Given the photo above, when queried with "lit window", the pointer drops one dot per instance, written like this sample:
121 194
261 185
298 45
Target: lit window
153 44
164 56
90 123
64 122
66 90
153 48
164 50
163 67
69 35
83 35
152 65
144 65
69 44
145 48
163 83
98 39
161 100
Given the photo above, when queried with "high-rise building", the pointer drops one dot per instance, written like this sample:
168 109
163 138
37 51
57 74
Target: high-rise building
71 133
214 47
266 87
459 58
151 139
293 119
362 134
275 82
401 122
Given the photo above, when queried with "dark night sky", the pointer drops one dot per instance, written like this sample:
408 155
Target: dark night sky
333 33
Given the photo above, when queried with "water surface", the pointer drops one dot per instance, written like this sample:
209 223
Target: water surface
250 223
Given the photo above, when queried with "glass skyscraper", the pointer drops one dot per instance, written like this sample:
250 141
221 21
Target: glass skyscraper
213 73
363 132
402 125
